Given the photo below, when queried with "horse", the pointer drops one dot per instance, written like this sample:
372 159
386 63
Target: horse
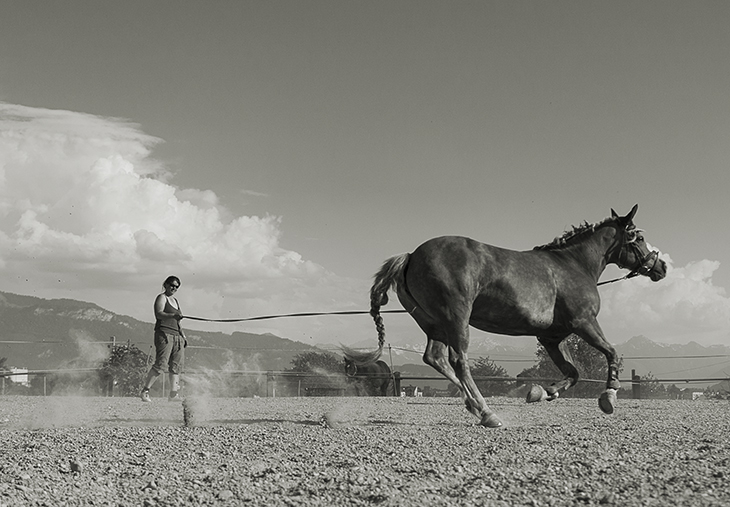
450 283
368 378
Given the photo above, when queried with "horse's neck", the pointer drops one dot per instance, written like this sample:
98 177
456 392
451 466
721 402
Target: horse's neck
591 250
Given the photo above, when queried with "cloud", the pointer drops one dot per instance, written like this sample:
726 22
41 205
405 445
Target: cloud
684 306
86 212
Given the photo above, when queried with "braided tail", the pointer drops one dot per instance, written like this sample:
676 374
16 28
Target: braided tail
389 276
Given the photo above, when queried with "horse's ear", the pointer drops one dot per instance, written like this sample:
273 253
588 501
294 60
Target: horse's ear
614 214
631 214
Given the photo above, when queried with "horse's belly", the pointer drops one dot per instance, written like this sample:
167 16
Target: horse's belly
502 316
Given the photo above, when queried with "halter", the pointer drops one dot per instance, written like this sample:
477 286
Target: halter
644 267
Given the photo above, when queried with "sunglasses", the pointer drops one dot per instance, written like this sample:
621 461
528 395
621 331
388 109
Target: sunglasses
175 287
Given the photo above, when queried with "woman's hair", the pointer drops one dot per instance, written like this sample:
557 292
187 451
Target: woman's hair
171 279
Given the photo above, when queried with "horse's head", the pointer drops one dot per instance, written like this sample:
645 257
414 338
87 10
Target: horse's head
634 253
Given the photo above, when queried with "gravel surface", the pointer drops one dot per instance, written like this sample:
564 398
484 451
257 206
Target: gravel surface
360 451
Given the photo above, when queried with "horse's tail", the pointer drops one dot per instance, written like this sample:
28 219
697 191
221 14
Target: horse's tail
391 275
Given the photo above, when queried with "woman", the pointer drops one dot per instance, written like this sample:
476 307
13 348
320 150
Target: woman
170 340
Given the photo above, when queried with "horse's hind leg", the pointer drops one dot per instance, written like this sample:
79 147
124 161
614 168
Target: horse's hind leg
437 356
441 338
558 351
460 363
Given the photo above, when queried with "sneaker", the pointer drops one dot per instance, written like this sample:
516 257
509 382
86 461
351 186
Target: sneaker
145 395
174 396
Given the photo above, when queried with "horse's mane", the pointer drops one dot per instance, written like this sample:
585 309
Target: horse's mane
562 241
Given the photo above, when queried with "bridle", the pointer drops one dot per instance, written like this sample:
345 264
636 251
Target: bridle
647 263
354 370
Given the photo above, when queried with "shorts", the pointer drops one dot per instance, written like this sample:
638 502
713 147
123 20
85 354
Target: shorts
169 352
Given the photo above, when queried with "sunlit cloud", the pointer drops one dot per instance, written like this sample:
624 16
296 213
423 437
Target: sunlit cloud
84 208
88 213
253 193
684 306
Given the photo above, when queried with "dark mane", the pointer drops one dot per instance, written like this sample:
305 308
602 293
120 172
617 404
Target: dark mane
562 241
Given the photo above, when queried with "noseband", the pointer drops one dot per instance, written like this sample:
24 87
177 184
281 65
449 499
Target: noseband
647 263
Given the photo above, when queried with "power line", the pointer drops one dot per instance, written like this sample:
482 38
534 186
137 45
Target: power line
513 358
697 368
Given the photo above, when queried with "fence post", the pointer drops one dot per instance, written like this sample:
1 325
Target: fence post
635 385
270 377
110 381
396 383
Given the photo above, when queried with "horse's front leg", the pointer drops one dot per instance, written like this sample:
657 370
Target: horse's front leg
593 335
559 353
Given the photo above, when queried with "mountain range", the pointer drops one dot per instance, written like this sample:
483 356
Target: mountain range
40 334
43 334
646 357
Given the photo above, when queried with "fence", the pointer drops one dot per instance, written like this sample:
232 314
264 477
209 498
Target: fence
334 384
306 383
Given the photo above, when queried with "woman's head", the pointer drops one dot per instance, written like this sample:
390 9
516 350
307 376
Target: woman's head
172 282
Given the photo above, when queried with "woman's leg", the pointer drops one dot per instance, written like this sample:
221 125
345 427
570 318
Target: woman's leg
163 350
176 359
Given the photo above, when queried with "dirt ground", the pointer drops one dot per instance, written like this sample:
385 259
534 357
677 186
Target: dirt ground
360 451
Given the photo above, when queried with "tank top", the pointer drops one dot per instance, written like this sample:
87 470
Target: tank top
169 325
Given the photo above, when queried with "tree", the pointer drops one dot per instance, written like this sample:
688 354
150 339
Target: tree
485 367
674 392
323 371
591 365
651 388
313 362
124 370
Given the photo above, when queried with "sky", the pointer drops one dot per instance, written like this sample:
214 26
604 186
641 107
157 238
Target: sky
274 154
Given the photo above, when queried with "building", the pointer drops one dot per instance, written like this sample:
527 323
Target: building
19 376
411 391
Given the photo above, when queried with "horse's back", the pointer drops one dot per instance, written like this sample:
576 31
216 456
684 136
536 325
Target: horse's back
460 263
496 289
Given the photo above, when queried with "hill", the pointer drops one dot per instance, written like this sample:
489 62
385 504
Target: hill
663 361
40 334
43 334
674 361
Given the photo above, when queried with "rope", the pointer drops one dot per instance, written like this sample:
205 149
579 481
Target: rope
625 277
309 314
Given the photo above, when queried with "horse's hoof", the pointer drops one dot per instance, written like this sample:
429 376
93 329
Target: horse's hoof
536 393
491 421
607 401
554 396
